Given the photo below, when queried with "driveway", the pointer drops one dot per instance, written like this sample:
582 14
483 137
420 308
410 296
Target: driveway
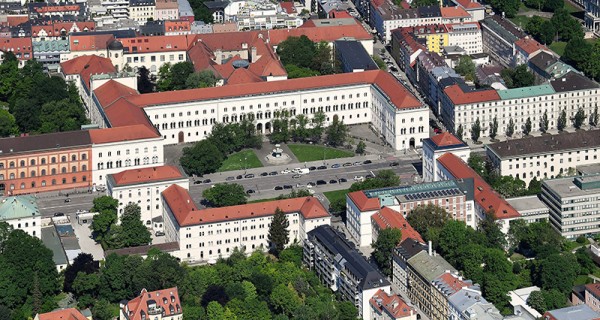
84 236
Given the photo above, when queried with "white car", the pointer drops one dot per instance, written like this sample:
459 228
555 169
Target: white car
286 171
359 178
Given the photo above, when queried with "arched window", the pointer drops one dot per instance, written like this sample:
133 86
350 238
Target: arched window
33 184
53 181
32 162
12 164
74 157
1 165
84 178
74 169
43 160
83 156
11 176
22 185
22 164
43 172
53 171
74 179
43 183
22 175
83 167
32 173
64 180
63 170
1 177
63 159
53 160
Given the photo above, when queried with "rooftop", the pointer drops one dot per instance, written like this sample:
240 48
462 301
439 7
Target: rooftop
165 302
545 144
409 248
393 305
430 266
446 139
543 60
86 66
459 96
49 141
353 53
572 81
121 134
388 218
526 92
52 241
574 186
464 300
580 312
527 203
503 27
529 45
146 175
64 314
18 207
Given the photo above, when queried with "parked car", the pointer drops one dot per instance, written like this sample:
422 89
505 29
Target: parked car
250 191
197 182
313 168
369 176
286 171
59 214
239 177
249 175
367 162
357 163
287 186
273 173
359 178
333 181
296 176
342 180
347 164
321 167
335 166
67 200
230 178
278 188
206 181
159 233
321 182
264 174
394 164
310 184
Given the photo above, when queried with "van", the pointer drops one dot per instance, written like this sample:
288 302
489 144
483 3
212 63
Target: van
304 171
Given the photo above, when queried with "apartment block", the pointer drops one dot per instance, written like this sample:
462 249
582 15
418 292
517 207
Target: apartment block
390 307
435 147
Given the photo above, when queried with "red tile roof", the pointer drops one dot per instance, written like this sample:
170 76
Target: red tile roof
112 90
124 113
388 218
317 34
15 20
288 7
454 12
364 203
594 289
177 25
165 299
89 42
166 4
157 43
445 139
485 196
65 314
529 45
242 75
125 133
268 65
453 282
53 8
338 14
458 96
55 29
86 66
188 214
469 4
397 93
392 304
147 175
19 46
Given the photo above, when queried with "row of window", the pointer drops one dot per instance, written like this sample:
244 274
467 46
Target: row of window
53 171
127 151
32 162
119 163
43 183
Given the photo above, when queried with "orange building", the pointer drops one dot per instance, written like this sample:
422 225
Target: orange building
48 162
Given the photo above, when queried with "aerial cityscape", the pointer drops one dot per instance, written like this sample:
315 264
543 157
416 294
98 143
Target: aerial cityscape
310 159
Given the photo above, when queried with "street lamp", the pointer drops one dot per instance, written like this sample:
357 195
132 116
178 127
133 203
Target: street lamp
324 149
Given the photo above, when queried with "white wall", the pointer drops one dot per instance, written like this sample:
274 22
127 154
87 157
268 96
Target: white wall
31 225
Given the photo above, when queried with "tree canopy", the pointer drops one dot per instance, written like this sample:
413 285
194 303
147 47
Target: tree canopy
278 231
518 77
387 240
304 58
182 75
225 194
383 178
466 68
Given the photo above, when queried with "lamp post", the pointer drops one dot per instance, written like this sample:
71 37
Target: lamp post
324 149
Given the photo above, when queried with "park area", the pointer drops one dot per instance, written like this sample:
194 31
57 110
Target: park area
307 152
242 160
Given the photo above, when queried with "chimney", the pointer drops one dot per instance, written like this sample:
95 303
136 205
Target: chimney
430 248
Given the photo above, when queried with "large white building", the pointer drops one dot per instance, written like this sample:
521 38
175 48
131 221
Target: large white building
204 235
143 187
466 35
531 208
435 147
545 156
21 212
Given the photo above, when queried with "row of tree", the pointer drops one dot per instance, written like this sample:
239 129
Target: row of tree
302 129
36 103
561 27
507 186
131 232
302 57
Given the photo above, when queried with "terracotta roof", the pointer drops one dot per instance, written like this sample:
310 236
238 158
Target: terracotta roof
469 4
288 7
147 175
86 66
267 65
529 45
388 218
242 75
177 25
363 202
112 90
119 134
90 42
226 69
485 196
235 40
337 14
65 314
166 4
397 93
317 34
445 139
18 46
453 283
55 29
187 214
157 43
166 299
53 8
454 12
458 96
15 20
124 113
392 304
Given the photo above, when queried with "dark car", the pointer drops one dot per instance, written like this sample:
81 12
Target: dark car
296 176
249 175
335 166
394 164
250 191
341 180
367 162
67 200
159 234
264 174
206 181
321 167
313 168
321 182
59 214
287 186
311 184
197 182
230 178
239 177
273 173
332 181
278 188
348 164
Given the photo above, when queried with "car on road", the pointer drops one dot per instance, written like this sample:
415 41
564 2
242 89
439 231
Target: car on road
278 188
335 166
264 174
59 214
206 181
342 180
313 168
347 164
333 181
310 184
250 191
367 162
287 186
321 182
239 177
159 234
197 182
394 164
249 176
286 171
296 176
321 167
357 163
273 173
359 178
299 185
230 178
67 200
369 176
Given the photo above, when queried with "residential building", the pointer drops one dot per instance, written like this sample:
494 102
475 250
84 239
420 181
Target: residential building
475 9
592 15
143 187
65 314
151 52
466 35
518 300
526 48
167 10
385 16
51 241
388 218
435 147
142 11
353 57
343 269
454 196
580 312
547 66
157 305
22 48
531 208
47 162
206 235
545 156
56 30
21 212
591 296
469 304
498 36
573 204
406 250
390 307
48 52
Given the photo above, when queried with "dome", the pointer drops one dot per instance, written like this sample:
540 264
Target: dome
115 45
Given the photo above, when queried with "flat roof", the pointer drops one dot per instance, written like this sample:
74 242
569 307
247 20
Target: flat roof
568 187
18 207
527 203
526 92
581 311
546 144
430 267
353 53
572 81
52 242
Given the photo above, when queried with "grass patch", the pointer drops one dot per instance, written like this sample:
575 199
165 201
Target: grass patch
571 245
307 152
517 257
335 195
558 47
242 160
520 21
572 8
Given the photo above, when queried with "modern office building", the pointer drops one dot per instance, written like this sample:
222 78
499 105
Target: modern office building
531 208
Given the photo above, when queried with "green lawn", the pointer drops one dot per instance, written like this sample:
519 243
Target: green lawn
520 21
572 8
558 47
244 159
335 195
307 152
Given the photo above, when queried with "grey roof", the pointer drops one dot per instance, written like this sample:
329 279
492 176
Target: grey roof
429 267
409 248
347 254
546 144
138 3
429 11
153 28
503 27
52 242
185 9
70 243
527 203
125 33
543 60
143 250
50 46
355 55
572 81
216 4
58 140
570 187
580 312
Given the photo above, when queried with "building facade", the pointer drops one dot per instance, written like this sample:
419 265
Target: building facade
390 307
21 212
531 208
435 147
157 305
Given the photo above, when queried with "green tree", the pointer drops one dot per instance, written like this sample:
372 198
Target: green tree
476 130
214 311
383 178
477 163
577 51
299 131
180 72
518 77
494 128
102 310
509 186
387 240
459 132
318 121
554 299
510 128
84 262
360 147
8 124
527 127
86 288
281 128
299 51
225 194
558 271
295 72
284 299
508 7
165 78
544 122
428 220
492 229
380 63
553 5
322 60
202 79
534 25
561 123
204 157
536 301
63 115
132 233
593 119
466 68
424 3
535 186
106 206
278 231
145 84
579 118
336 133
567 27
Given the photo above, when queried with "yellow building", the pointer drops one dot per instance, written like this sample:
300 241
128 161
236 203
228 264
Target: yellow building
435 36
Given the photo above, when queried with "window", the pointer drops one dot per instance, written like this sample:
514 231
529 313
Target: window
32 162
43 160
22 175
63 159
74 169
53 160
22 163
74 157
83 156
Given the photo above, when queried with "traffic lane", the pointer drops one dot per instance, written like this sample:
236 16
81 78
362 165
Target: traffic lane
49 206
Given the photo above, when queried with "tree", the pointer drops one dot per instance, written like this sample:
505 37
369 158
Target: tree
561 123
360 147
144 82
102 310
204 157
579 118
387 240
536 301
509 186
423 3
383 179
225 195
508 7
544 122
132 233
322 60
553 5
214 311
295 72
567 27
202 79
84 262
491 228
476 130
285 299
466 68
278 231
494 128
518 77
106 207
174 77
593 119
558 271
527 127
299 130
63 115
318 120
577 51
336 133
535 186
8 124
428 220
280 132
510 127
299 51
380 63
459 132
477 163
